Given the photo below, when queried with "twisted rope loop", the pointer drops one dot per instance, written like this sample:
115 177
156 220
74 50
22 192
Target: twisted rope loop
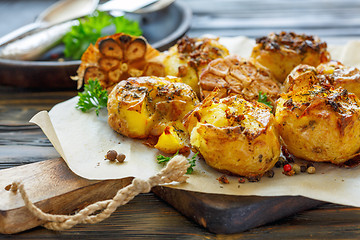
173 172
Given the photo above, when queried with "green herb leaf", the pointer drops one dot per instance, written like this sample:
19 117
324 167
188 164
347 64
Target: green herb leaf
263 99
192 163
162 159
91 28
92 97
127 26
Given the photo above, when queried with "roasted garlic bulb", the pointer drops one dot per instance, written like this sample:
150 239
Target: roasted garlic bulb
118 57
320 124
234 135
284 51
152 107
236 75
190 56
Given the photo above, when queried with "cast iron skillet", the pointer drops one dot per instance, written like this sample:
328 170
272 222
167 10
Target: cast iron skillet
162 29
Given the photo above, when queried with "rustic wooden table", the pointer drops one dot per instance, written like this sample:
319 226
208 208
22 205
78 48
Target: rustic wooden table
147 216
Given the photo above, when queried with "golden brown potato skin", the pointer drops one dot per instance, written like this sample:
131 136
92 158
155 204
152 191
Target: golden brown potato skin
144 106
301 77
320 124
333 74
190 56
236 75
234 135
280 53
339 75
118 57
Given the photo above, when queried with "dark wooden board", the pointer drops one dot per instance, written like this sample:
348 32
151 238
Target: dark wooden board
233 214
58 190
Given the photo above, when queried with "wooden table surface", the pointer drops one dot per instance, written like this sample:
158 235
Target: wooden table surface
147 216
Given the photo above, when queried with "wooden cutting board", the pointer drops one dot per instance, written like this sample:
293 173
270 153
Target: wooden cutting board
53 187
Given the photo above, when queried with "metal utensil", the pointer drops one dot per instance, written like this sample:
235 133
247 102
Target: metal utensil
34 45
59 12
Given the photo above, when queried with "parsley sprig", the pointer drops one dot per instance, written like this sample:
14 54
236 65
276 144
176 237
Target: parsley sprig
90 28
92 97
264 99
162 159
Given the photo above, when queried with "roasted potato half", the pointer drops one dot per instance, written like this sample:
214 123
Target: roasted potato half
301 77
234 135
280 53
118 57
236 75
152 107
339 75
190 56
320 124
333 74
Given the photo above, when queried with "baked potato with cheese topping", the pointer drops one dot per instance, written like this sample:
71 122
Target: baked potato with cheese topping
118 57
190 56
320 124
234 135
152 107
236 75
280 53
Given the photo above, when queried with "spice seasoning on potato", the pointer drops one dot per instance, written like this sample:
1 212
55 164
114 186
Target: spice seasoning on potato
152 107
330 74
234 135
190 56
339 75
281 52
320 124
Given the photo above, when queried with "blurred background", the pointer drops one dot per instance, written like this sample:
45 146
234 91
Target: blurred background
335 21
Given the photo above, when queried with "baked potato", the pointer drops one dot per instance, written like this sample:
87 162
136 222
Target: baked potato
333 74
118 57
280 53
301 77
234 135
320 124
339 75
146 107
236 75
190 56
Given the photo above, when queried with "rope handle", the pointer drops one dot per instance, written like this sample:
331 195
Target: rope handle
173 172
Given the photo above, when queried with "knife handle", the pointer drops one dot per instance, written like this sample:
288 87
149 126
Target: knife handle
19 32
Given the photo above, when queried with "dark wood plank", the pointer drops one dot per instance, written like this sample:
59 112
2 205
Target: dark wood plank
226 214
